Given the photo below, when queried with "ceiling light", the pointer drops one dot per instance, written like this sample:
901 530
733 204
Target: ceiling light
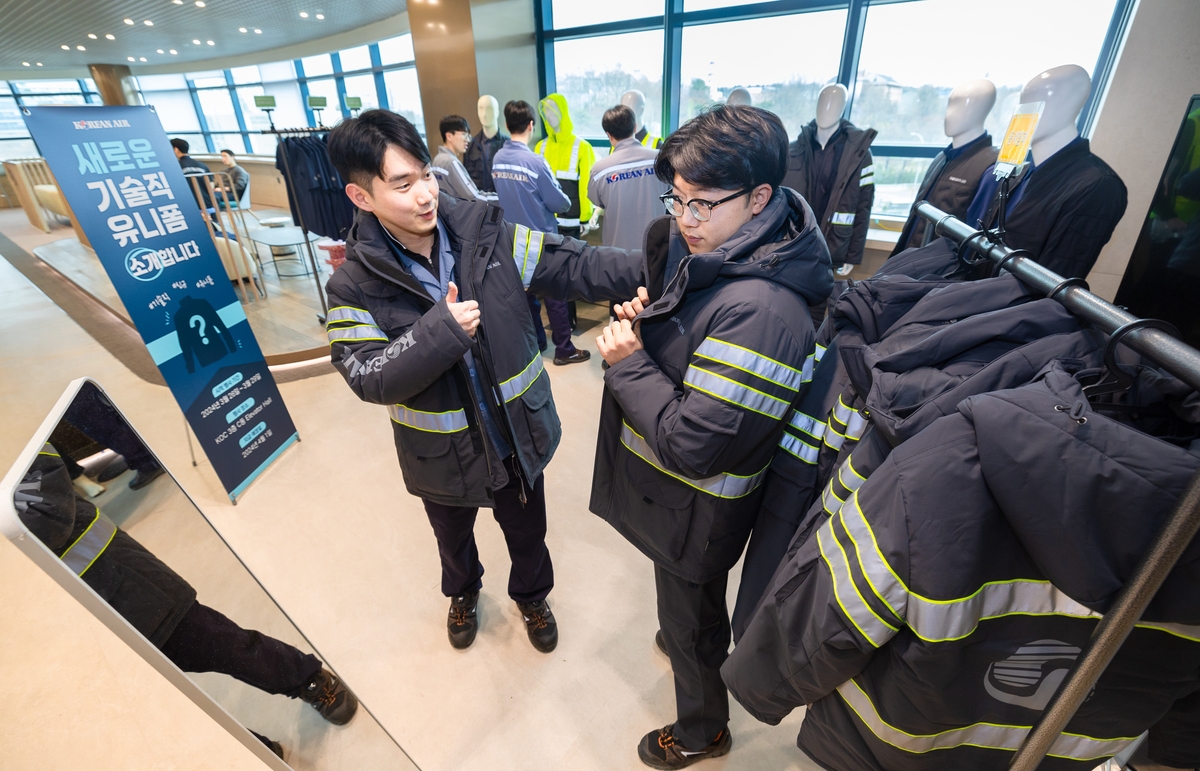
110 37
129 21
141 59
65 48
195 42
148 23
241 29
304 14
199 3
24 64
160 50
93 37
39 64
173 52
130 58
177 2
80 48
211 43
321 16
258 32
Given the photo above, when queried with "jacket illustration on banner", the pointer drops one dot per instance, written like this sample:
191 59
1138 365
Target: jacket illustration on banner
949 184
841 198
569 157
203 337
928 624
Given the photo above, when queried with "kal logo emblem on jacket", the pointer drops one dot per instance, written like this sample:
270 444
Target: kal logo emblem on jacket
1029 677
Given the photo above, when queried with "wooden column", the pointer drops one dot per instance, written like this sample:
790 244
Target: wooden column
116 84
444 44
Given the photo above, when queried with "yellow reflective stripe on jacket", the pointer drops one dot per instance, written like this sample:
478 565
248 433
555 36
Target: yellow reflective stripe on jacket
727 390
348 313
527 251
518 384
751 362
88 547
720 486
807 423
991 736
356 334
48 449
874 629
433 422
802 450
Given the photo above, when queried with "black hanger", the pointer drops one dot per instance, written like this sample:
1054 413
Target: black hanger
1117 380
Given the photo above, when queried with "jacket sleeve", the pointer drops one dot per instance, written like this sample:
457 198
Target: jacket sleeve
862 215
595 191
822 620
564 268
739 385
390 372
1082 229
587 158
552 193
463 182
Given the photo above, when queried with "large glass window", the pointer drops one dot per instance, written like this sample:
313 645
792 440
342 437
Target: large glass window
794 58
218 109
355 59
363 86
396 50
175 109
573 13
903 84
404 96
594 72
327 88
315 66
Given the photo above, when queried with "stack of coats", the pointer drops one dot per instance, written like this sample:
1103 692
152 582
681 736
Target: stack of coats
317 191
945 520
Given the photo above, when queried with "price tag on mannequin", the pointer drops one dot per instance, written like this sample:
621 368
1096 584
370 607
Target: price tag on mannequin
1018 138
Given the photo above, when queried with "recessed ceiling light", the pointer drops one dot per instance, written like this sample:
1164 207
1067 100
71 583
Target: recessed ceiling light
199 3
195 42
141 58
258 32
93 37
321 16
24 64
211 43
39 64
65 48
110 37
173 52
177 2
304 14
242 29
130 58
148 23
129 21
80 48
160 50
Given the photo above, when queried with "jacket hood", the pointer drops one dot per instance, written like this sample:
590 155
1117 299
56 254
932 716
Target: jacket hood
782 244
1086 492
854 135
556 104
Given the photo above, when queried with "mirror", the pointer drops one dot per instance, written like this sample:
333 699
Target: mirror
97 502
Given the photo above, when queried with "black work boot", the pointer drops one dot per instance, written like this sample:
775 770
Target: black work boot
327 695
660 749
462 624
660 642
540 624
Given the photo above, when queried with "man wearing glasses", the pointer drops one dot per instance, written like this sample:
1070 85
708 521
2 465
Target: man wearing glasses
700 385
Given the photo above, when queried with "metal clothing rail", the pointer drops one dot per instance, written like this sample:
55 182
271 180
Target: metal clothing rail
1177 533
291 188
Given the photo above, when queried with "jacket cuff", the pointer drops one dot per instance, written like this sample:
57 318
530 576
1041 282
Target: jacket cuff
614 372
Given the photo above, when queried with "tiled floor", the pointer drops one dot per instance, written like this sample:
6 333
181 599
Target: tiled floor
350 556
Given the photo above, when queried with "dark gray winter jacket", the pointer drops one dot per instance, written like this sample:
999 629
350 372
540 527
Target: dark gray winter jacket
929 622
950 185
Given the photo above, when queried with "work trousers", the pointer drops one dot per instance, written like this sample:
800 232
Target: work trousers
695 626
207 641
560 324
531 576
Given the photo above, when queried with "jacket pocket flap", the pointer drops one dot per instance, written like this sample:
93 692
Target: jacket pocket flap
381 289
658 486
538 394
424 444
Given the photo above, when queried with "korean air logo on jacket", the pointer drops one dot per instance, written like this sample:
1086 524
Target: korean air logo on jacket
1031 675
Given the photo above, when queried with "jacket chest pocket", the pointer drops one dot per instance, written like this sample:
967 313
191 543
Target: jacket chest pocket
428 461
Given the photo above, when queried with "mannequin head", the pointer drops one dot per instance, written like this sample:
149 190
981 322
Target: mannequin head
830 105
489 113
636 101
551 114
1064 90
968 108
740 96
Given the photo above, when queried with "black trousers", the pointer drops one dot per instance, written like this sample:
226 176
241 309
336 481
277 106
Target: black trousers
695 624
207 641
531 576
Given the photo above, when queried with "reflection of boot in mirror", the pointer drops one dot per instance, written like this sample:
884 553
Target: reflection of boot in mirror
272 745
145 476
329 696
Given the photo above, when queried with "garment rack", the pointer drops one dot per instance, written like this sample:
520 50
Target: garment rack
291 187
1172 355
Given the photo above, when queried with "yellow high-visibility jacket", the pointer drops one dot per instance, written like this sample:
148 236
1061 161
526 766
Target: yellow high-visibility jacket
569 157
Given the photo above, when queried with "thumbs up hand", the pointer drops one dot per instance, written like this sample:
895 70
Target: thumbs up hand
465 313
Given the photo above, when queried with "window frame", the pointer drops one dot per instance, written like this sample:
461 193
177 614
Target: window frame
90 96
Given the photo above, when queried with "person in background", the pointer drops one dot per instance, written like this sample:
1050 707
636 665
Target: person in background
241 178
452 176
192 168
624 183
530 196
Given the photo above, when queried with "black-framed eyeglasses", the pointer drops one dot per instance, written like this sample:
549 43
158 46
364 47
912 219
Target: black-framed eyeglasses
700 208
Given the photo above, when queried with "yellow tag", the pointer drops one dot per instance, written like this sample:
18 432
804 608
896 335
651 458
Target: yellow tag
1019 136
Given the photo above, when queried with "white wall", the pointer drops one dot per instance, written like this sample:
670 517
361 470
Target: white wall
505 54
1157 73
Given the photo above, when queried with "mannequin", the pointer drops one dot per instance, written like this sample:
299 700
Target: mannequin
953 177
478 157
1064 206
636 101
739 95
830 165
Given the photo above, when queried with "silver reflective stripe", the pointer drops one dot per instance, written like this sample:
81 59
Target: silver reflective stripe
856 425
80 555
48 449
518 384
832 437
568 223
842 412
830 502
527 251
1178 630
819 352
440 171
867 170
803 451
748 361
842 218
346 313
721 387
611 170
573 164
866 181
811 362
853 480
721 485
873 628
357 332
435 422
807 423
884 582
985 735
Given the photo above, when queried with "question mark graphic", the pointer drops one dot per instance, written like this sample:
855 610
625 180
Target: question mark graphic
192 323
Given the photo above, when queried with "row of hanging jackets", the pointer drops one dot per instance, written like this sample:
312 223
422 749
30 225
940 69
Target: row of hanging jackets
954 504
317 191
